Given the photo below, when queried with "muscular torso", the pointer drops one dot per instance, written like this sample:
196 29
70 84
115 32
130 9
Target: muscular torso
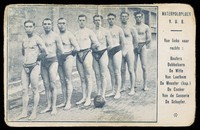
101 34
128 36
128 44
65 37
50 43
115 34
141 30
83 38
31 49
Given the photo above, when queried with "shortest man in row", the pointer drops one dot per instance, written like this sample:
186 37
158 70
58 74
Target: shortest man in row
33 49
49 65
66 62
86 39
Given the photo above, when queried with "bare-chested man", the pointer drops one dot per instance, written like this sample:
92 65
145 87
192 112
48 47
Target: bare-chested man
100 57
32 48
86 39
66 62
127 51
144 39
49 65
115 55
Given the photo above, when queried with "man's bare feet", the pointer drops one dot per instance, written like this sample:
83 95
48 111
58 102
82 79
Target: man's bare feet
54 111
81 101
122 89
67 106
132 92
22 115
110 94
32 116
145 88
88 102
117 96
104 97
45 110
60 105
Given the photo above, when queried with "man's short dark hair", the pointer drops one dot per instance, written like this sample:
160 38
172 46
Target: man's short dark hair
61 19
111 14
138 12
29 21
124 13
82 15
46 19
97 15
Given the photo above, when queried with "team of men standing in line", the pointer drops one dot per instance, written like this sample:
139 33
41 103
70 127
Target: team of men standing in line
106 49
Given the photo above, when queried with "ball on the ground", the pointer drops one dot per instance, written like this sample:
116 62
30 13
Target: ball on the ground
99 101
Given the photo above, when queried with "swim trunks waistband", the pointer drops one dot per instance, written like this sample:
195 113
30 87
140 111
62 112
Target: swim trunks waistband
98 54
141 42
87 49
54 58
29 67
48 61
81 55
62 58
114 50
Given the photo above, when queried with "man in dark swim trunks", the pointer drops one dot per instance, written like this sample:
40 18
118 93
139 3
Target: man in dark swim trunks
115 56
100 58
32 47
86 39
144 40
49 65
66 62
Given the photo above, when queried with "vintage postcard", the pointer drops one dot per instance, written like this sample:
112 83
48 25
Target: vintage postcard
99 65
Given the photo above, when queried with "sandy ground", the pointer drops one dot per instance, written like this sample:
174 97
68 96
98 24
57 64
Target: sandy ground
141 107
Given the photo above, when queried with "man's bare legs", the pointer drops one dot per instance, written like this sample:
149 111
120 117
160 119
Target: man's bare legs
135 65
63 85
26 80
129 59
82 77
101 69
65 73
143 65
112 76
143 59
85 72
115 72
104 72
130 63
123 73
49 78
117 60
88 77
97 72
45 77
53 69
34 78
25 97
68 72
